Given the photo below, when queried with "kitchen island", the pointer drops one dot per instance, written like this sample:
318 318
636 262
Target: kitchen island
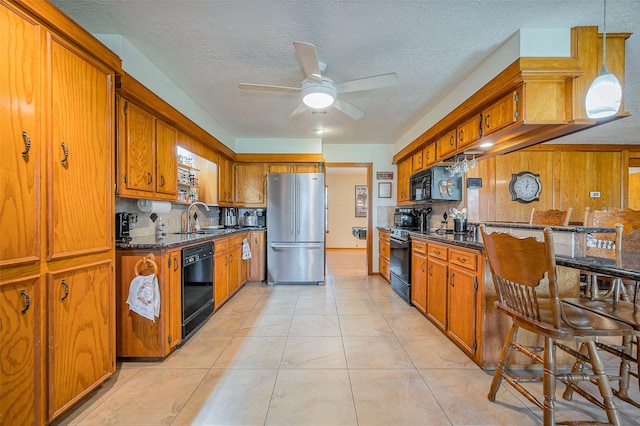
452 284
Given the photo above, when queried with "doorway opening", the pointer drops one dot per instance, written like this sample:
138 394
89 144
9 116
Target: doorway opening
348 214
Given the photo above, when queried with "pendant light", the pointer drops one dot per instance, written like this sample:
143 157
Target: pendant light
605 93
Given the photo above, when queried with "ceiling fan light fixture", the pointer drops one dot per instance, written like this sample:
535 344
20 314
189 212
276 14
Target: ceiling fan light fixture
318 95
605 93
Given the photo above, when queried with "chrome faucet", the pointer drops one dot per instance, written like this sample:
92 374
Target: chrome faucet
189 213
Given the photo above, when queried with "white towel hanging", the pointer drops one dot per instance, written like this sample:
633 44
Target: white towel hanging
246 250
144 296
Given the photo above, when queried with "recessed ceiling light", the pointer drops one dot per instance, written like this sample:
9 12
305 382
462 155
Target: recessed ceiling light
320 131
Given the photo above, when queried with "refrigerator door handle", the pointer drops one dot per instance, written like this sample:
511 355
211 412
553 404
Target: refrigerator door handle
297 206
295 245
293 203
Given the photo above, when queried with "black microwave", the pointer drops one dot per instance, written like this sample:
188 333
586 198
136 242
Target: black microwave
435 184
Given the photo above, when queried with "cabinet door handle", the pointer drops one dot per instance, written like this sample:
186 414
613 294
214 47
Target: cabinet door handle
161 181
175 263
461 135
431 270
422 267
65 150
150 178
27 144
451 140
451 280
486 121
66 290
27 301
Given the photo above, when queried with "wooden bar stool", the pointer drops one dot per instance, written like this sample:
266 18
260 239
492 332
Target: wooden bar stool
604 245
626 311
550 217
524 275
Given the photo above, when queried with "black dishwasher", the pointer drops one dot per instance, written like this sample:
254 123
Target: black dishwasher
197 286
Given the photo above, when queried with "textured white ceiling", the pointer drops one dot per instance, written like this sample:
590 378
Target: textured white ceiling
208 47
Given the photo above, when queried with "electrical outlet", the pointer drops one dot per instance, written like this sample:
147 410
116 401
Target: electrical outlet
594 194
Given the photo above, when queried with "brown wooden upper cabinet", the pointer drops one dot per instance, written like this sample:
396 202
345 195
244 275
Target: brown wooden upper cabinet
251 183
446 144
429 153
294 168
469 131
501 113
404 174
225 180
147 165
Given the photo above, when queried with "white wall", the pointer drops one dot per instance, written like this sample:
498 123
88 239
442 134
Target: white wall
342 205
279 146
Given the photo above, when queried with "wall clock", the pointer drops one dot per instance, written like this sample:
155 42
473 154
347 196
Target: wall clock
525 187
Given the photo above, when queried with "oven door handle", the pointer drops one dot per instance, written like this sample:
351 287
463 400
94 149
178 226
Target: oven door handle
399 242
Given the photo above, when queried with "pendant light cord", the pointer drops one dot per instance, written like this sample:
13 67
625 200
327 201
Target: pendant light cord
604 38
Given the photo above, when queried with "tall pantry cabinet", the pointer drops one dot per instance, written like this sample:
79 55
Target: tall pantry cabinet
57 311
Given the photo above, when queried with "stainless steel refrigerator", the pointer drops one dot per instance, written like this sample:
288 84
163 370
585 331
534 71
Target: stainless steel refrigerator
295 228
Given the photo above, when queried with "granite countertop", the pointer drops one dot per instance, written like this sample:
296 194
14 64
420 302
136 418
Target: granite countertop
626 266
173 240
522 225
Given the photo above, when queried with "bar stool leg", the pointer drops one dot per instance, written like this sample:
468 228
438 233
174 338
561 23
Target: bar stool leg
578 367
603 384
504 357
549 382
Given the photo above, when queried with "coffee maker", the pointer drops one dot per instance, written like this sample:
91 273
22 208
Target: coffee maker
261 217
122 228
230 216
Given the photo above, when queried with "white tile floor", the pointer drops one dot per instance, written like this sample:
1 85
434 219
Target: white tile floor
347 353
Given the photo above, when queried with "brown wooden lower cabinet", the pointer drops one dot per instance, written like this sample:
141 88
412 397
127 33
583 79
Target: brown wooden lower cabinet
418 275
137 336
230 270
445 287
20 351
257 263
458 295
384 251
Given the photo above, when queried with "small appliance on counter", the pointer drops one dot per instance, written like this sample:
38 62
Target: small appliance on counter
405 217
261 217
230 216
122 228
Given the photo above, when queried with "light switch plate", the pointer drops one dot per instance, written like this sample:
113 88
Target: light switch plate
594 194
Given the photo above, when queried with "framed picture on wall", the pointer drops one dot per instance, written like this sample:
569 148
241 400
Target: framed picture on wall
361 200
384 189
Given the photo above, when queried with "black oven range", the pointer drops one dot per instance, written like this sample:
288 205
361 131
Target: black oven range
400 263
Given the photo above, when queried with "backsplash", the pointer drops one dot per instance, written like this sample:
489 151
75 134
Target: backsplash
174 221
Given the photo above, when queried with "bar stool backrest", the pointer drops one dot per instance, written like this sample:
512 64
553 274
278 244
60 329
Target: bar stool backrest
521 267
550 217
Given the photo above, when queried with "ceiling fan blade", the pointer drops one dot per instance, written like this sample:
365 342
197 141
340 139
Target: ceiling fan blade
348 109
266 87
298 111
368 83
308 59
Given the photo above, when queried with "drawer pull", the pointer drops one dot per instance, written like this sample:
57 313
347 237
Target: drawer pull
27 144
27 301
461 259
66 290
65 151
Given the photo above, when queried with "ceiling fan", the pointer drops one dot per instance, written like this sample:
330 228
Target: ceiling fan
320 92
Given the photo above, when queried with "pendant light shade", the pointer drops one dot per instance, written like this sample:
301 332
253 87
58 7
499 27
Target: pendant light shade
605 93
604 96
